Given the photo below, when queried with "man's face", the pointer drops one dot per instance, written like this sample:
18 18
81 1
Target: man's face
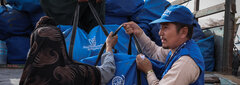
169 35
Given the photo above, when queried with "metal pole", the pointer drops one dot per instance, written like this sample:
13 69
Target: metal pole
228 36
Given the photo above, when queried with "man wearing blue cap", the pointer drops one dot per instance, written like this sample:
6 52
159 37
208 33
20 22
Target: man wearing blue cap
183 61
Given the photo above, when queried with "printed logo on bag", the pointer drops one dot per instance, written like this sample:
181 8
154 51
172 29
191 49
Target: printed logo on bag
118 80
93 44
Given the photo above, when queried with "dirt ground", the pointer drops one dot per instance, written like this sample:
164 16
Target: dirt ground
10 76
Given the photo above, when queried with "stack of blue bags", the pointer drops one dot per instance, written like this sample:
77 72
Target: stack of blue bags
17 21
145 11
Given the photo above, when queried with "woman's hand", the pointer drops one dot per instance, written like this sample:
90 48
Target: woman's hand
111 42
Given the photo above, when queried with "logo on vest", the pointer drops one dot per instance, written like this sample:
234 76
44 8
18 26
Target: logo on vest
93 44
167 13
118 80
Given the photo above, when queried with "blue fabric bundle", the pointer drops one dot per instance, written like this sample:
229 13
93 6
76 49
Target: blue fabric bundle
31 7
115 20
18 47
126 70
197 31
152 10
120 11
206 46
123 7
13 22
25 5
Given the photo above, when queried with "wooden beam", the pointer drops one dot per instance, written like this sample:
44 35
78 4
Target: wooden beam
210 10
179 2
196 6
228 36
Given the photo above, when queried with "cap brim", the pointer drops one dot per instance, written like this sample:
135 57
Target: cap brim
159 21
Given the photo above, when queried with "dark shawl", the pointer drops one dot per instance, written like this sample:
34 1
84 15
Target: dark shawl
48 62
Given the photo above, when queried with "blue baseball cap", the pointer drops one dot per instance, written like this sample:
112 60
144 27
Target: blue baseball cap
176 13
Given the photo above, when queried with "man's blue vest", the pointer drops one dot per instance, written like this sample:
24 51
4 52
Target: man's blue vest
190 48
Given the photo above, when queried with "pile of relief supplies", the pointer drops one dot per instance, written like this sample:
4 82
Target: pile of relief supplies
142 12
87 46
17 21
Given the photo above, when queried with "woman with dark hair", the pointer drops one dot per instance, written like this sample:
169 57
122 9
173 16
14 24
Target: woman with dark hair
49 64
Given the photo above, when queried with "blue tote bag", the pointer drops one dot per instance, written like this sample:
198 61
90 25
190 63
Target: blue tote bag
87 45
126 70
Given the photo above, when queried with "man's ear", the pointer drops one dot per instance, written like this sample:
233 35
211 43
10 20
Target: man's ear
184 32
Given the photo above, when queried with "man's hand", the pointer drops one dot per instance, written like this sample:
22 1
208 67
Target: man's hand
111 42
132 28
98 1
143 63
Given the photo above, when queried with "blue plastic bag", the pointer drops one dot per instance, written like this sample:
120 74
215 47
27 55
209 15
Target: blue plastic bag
87 45
126 70
81 40
123 39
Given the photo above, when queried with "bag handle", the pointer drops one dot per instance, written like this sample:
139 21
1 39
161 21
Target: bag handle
139 81
96 16
75 24
99 21
129 51
106 33
104 46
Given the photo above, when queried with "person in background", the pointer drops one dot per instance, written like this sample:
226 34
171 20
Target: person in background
49 64
183 61
62 12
